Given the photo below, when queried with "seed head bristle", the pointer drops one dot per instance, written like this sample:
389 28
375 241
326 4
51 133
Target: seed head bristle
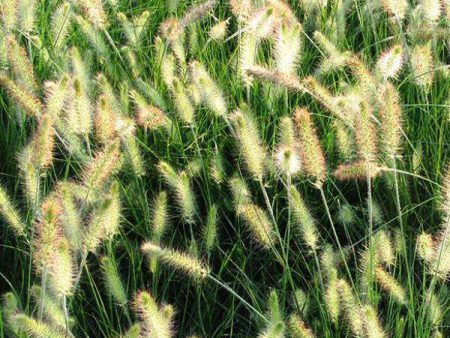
287 49
258 223
9 212
303 219
396 8
113 281
390 285
180 183
153 321
422 64
390 63
177 260
298 328
390 114
313 158
24 98
20 64
251 147
359 170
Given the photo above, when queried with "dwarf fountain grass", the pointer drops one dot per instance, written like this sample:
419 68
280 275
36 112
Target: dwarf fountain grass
298 329
20 94
35 328
311 151
180 183
20 64
9 212
177 260
113 281
251 147
390 285
154 322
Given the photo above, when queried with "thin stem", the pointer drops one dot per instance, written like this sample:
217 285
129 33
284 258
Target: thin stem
229 289
43 290
330 219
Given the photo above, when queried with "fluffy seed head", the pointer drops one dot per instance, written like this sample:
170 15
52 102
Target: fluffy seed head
287 48
22 96
104 222
154 322
390 62
35 328
390 114
212 95
298 328
303 219
421 61
160 216
250 144
113 282
105 121
177 260
9 212
372 326
356 171
210 231
258 222
390 285
218 32
180 183
102 166
396 8
312 156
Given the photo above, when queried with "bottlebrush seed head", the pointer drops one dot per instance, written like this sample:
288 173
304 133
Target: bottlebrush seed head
20 64
396 8
218 32
390 114
365 134
431 10
390 285
372 325
240 191
303 219
25 98
177 260
160 216
48 231
180 183
351 308
312 156
250 144
422 64
113 282
9 212
104 222
211 93
102 166
288 44
359 170
105 121
35 328
298 328
288 81
154 322
258 223
183 104
425 246
390 63
61 269
43 143
94 11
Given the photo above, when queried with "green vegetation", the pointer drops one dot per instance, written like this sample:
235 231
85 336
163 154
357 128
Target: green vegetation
242 168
